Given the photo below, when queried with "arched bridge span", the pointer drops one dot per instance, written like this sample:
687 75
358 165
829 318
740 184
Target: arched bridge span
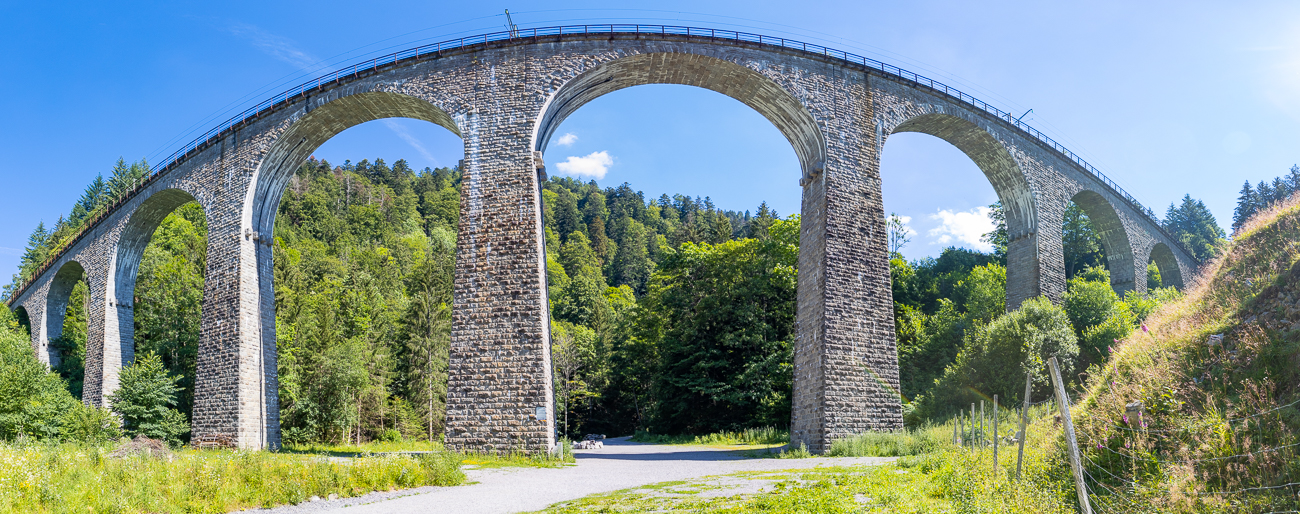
504 94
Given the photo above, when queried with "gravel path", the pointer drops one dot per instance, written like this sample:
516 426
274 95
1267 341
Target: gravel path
619 465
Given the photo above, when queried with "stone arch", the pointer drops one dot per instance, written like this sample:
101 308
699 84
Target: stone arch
1011 186
1170 273
310 131
743 84
1114 240
56 304
135 236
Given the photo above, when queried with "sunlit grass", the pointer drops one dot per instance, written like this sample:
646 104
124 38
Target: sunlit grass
765 436
79 478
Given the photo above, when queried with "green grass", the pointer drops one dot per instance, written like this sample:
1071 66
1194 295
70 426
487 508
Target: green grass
415 447
935 476
894 444
366 448
79 478
746 437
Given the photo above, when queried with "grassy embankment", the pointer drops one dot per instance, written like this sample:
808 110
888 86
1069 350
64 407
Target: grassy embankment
39 477
1218 375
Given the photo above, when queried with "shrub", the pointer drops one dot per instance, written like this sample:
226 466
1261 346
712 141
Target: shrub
997 357
145 400
94 425
31 396
1089 299
1098 340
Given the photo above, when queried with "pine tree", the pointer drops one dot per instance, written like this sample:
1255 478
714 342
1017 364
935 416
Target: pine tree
37 250
761 222
1264 193
1293 178
1247 204
1192 223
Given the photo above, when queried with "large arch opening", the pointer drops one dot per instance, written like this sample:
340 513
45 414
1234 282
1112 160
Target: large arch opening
158 283
1170 274
955 248
608 246
1099 226
357 210
65 325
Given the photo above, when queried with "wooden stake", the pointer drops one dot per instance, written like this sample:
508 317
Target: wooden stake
1063 400
982 440
1024 422
995 436
972 423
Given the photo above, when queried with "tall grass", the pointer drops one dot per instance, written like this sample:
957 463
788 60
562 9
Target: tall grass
748 436
78 478
1183 452
893 444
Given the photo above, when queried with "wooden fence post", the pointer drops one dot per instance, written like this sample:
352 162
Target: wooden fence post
995 436
1063 399
1024 424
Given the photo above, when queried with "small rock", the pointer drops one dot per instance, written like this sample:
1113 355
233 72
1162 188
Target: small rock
313 499
1215 340
333 496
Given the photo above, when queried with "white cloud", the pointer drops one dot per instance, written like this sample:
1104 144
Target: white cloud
567 139
401 132
594 165
962 228
11 251
279 47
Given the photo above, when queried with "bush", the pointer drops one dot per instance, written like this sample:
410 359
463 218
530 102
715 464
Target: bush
145 400
94 425
1098 340
31 396
996 359
1089 299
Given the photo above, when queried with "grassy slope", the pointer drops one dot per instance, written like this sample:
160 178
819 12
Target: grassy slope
1193 390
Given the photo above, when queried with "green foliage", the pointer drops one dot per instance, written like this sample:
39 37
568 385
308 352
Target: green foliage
71 343
1153 276
1192 224
169 296
928 342
1089 299
145 399
32 398
1080 242
722 317
82 423
996 358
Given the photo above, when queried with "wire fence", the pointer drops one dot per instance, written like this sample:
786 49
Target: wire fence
525 36
1123 487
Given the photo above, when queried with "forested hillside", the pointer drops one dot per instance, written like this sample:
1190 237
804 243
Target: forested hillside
670 315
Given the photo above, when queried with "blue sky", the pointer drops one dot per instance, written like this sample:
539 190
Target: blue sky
1167 98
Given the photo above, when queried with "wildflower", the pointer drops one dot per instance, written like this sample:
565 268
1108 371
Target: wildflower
1125 419
1144 328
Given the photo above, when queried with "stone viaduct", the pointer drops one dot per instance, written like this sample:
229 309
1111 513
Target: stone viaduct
504 95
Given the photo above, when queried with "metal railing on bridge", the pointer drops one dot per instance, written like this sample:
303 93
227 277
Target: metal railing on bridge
559 32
